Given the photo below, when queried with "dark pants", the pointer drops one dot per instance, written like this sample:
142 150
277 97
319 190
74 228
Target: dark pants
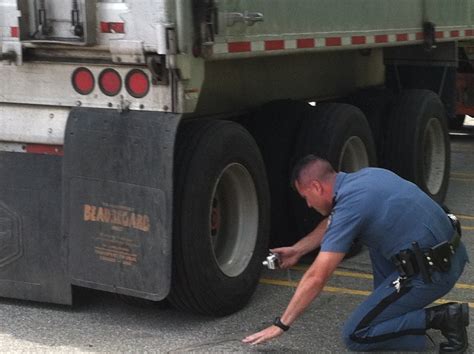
391 320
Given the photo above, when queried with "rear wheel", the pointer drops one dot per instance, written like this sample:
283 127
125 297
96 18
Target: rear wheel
221 219
275 126
339 133
375 103
417 147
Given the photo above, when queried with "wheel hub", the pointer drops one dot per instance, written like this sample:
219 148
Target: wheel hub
233 219
434 155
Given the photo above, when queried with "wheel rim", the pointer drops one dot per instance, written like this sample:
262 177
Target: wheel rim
234 219
434 156
353 155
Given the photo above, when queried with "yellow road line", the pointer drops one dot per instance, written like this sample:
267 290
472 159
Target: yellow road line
340 272
462 174
464 286
332 289
353 274
443 301
465 217
468 228
370 276
462 179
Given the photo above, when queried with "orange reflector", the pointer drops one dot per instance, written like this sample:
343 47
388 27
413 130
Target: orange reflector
45 149
137 83
112 27
83 81
110 82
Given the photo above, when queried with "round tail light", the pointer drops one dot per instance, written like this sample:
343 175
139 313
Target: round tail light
110 82
137 83
83 81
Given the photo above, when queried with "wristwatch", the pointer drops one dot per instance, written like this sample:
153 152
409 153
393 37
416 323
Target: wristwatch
277 322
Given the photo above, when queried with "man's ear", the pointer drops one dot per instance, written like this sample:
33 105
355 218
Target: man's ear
317 186
297 186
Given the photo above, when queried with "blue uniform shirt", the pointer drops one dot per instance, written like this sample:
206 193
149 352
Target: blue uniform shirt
386 212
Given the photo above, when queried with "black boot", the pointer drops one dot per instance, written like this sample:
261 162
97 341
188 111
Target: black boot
452 319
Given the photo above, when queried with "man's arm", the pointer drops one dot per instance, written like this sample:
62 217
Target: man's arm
308 289
289 256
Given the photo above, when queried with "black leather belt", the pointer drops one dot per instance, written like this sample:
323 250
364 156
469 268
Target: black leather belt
416 260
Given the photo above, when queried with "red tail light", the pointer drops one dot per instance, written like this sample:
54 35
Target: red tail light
110 82
83 81
137 83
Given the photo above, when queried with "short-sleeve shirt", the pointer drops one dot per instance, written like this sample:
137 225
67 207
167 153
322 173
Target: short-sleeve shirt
386 212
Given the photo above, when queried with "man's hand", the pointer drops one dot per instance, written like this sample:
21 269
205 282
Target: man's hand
263 336
288 256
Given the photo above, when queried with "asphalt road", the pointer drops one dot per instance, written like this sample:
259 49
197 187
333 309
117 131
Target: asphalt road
103 323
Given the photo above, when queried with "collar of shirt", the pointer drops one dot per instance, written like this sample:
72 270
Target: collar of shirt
337 185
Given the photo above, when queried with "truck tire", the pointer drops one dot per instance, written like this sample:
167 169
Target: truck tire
221 218
339 133
417 146
275 126
375 103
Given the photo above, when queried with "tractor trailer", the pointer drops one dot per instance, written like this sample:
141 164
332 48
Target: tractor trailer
146 146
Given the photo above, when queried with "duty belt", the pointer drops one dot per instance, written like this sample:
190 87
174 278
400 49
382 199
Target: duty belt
424 261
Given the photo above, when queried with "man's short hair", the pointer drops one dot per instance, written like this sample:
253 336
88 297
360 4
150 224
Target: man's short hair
318 168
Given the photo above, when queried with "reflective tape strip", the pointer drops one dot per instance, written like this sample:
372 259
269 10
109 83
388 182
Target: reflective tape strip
275 45
14 32
239 47
334 41
402 37
381 38
44 149
305 43
112 27
358 39
12 147
11 32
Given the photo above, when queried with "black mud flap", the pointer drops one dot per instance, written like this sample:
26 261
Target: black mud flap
117 183
33 253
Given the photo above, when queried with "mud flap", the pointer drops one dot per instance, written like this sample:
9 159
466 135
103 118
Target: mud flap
117 183
32 250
